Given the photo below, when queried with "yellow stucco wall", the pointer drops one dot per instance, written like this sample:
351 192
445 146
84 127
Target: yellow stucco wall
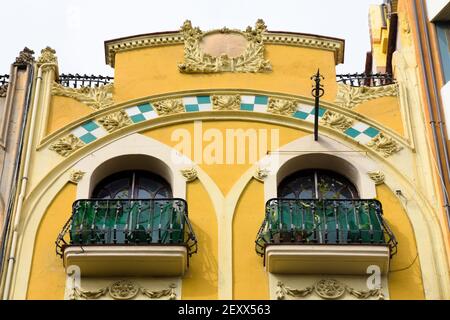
385 110
153 71
405 276
200 281
63 111
47 277
225 175
249 278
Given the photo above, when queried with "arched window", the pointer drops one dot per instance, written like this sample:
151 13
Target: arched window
133 185
316 184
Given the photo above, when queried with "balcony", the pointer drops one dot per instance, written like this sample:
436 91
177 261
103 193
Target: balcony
367 80
325 236
128 237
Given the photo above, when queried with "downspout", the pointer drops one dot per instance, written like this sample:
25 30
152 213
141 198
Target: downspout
430 109
24 180
17 165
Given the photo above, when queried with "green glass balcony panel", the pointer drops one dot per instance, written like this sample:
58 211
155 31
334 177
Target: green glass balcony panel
129 221
323 222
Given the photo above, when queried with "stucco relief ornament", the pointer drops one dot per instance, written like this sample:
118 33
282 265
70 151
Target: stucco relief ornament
96 97
226 102
123 290
261 174
66 145
349 96
167 107
336 121
282 106
3 90
250 60
377 177
329 289
75 176
25 57
385 145
115 120
47 56
190 174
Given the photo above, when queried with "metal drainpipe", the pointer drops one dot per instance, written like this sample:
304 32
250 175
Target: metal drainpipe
17 164
430 109
24 180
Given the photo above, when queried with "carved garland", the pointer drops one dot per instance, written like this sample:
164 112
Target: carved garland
327 289
122 290
196 61
96 97
349 97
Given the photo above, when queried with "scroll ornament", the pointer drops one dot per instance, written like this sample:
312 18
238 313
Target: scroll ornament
329 289
251 60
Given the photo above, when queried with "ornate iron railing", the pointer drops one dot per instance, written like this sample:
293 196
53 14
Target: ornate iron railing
4 79
290 221
77 81
128 222
368 80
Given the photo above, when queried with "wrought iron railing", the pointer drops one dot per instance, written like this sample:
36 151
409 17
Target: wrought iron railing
290 221
128 222
4 79
363 79
77 81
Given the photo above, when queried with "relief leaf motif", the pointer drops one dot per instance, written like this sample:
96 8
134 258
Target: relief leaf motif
336 121
96 97
251 60
349 97
66 145
282 106
385 145
115 120
226 102
167 107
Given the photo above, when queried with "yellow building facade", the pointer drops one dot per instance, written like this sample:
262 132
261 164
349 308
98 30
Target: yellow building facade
196 175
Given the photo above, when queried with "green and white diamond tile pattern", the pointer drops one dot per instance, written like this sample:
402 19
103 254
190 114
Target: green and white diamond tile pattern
254 103
362 132
141 113
197 103
306 112
89 131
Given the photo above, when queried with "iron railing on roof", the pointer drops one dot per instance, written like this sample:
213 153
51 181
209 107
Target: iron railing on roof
78 81
333 222
128 222
363 79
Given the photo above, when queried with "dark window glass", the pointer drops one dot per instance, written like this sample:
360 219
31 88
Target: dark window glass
133 185
316 184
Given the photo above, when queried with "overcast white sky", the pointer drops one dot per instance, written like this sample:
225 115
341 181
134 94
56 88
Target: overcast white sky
76 29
